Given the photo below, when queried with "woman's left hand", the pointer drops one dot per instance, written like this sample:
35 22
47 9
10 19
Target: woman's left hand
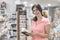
37 34
34 34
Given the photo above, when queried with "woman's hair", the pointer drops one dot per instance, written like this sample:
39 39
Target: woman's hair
39 8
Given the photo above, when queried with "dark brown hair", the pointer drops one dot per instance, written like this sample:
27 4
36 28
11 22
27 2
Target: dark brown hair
39 8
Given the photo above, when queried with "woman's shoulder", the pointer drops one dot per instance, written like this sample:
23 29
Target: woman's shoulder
45 19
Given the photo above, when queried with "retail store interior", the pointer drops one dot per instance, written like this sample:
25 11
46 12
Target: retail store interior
19 15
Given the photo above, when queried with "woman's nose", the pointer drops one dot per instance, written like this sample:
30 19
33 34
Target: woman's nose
35 12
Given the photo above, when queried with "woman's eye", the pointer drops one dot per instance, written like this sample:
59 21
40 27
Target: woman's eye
36 9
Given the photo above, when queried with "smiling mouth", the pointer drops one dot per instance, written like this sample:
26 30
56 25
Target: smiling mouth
37 13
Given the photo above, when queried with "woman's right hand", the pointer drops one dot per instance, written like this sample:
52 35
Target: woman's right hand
32 34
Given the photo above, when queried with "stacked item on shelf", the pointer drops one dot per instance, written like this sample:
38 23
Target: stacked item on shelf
56 24
57 31
13 31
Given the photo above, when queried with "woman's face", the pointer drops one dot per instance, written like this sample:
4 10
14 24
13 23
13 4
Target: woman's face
36 12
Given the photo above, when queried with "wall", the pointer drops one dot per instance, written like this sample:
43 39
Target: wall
51 12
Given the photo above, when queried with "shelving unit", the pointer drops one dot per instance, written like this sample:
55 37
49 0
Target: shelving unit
2 13
13 22
22 23
2 10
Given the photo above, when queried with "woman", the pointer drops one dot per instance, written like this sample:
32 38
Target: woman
40 25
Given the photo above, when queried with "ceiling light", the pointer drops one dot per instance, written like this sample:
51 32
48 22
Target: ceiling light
25 3
17 2
49 4
31 4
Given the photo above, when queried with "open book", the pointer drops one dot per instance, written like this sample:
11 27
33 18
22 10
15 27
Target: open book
24 31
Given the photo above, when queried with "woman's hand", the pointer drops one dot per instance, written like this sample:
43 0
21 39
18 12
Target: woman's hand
33 34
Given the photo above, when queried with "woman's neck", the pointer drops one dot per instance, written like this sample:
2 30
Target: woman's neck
39 18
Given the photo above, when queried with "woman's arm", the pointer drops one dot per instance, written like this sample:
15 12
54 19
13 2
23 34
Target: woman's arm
47 34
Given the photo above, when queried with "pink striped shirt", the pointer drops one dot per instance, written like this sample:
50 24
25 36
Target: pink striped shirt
39 27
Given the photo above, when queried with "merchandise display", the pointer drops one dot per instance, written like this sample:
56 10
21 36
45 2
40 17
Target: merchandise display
21 22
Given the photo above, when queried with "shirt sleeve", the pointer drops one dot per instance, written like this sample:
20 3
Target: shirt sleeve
47 21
